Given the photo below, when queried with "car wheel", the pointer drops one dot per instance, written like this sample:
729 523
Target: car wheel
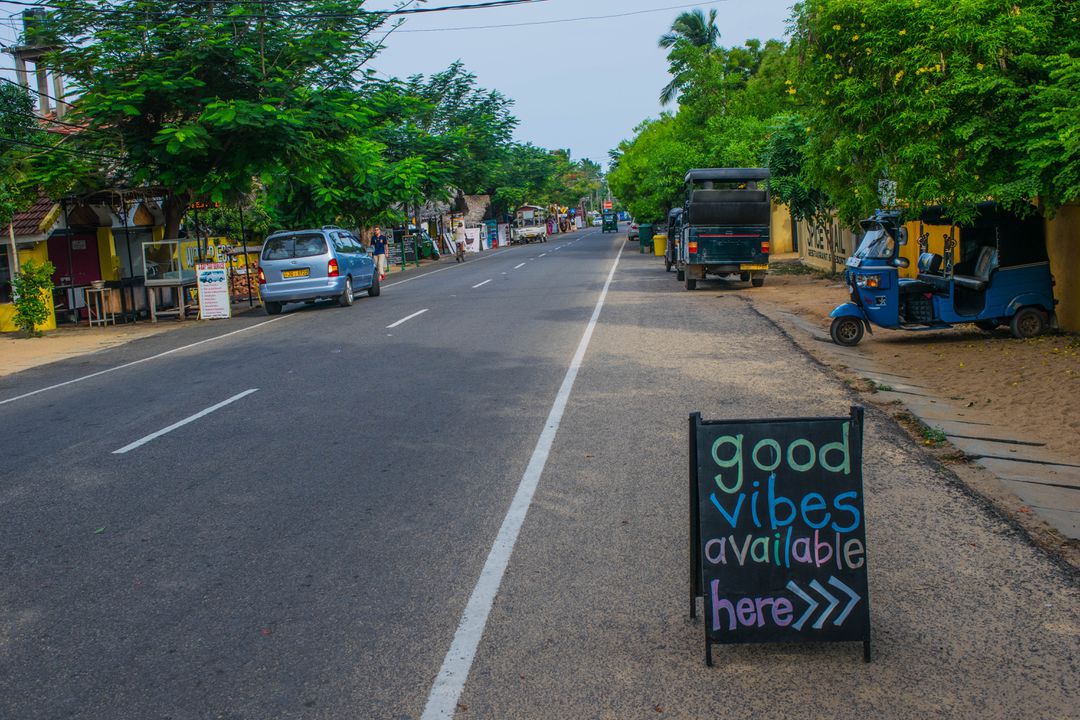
376 287
987 325
745 277
691 283
272 308
1027 323
846 331
680 275
757 282
345 299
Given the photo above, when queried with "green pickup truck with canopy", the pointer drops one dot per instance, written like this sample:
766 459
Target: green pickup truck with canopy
725 225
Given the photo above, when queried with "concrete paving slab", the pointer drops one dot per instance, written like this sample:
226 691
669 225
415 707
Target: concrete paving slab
934 410
968 431
1059 475
1051 503
1008 451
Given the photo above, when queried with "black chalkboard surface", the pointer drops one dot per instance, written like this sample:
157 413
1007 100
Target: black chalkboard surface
777 530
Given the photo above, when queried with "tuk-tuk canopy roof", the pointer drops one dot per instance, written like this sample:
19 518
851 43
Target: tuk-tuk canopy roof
727 174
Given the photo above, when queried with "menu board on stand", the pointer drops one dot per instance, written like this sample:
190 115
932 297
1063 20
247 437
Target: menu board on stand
213 291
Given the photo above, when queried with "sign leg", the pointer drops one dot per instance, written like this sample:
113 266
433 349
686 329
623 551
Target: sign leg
695 527
708 650
866 651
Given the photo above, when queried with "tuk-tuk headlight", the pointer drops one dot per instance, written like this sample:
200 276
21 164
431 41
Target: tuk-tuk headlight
868 281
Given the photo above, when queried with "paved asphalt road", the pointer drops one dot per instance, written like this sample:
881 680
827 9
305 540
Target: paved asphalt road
308 549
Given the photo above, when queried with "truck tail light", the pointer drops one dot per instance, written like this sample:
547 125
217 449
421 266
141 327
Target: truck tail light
764 246
262 277
332 268
692 246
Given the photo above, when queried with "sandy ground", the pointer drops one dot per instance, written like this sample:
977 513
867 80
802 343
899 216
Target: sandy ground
1032 384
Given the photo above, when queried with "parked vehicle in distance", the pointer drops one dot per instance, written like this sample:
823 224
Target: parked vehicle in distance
725 226
1002 278
632 231
674 230
309 265
530 225
610 222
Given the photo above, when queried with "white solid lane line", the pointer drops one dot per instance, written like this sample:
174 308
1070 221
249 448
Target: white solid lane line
450 682
406 319
480 284
519 265
185 421
138 362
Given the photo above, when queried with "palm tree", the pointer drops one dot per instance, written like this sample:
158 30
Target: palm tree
689 30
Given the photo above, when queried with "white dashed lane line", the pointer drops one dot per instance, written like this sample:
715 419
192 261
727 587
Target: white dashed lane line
519 265
481 284
202 413
406 319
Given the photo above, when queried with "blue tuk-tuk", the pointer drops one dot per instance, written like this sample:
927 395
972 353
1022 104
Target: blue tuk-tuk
1002 277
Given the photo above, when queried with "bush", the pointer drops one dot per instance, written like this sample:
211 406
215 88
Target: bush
32 294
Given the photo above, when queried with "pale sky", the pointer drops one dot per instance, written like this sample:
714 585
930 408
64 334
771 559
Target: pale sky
581 85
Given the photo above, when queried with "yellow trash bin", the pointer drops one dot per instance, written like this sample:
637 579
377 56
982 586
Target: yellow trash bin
659 243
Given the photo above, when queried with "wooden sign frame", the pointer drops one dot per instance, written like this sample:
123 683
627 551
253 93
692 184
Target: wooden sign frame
778 477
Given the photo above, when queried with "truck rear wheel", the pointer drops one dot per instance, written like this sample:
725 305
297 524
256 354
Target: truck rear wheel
680 274
691 283
758 281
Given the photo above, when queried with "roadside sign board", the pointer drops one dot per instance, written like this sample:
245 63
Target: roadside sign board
213 287
777 530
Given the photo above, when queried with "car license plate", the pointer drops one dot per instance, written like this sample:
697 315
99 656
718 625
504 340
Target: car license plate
304 272
753 267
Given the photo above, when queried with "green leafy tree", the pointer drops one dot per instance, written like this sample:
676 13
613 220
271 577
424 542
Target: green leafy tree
929 95
32 290
200 97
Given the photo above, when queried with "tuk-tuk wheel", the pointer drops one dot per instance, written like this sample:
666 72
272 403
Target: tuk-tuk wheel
846 331
757 282
1027 323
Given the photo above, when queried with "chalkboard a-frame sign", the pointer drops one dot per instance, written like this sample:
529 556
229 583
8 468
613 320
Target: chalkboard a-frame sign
777 530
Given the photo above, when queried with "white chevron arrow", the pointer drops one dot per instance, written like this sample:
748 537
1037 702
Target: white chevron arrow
832 600
855 597
809 600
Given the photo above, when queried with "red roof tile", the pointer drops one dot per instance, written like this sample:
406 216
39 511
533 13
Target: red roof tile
28 222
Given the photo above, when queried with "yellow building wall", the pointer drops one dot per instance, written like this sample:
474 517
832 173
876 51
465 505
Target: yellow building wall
38 253
935 244
780 240
1063 245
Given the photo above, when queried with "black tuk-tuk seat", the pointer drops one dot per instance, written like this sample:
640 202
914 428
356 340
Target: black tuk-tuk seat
983 267
930 278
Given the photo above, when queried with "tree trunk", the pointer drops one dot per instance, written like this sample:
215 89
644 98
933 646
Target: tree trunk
175 208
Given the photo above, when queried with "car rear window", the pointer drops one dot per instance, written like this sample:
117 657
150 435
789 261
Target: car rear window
294 246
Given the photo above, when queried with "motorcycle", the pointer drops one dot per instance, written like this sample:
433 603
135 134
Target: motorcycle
460 256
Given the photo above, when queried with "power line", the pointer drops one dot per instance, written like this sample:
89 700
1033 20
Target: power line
57 148
36 92
566 20
490 4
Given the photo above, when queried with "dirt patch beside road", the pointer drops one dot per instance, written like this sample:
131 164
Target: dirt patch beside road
1033 385
20 352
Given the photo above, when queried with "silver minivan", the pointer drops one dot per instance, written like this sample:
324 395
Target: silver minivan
308 265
